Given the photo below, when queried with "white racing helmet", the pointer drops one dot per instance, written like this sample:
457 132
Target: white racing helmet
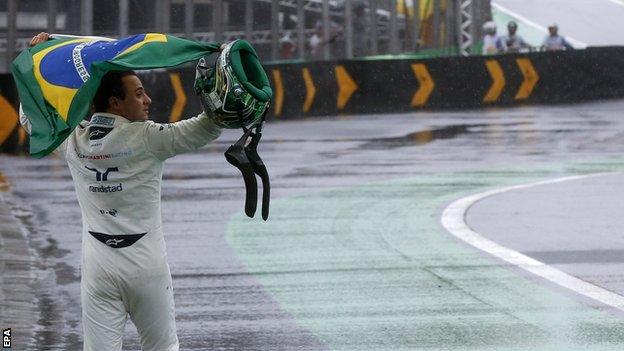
489 27
236 88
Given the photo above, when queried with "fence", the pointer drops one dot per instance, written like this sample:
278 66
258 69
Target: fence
279 29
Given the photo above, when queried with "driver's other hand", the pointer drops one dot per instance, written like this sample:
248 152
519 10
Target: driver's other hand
39 38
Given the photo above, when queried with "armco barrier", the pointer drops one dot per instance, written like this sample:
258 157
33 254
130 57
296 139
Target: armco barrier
388 86
357 87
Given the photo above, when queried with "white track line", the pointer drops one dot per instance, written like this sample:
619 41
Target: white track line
576 43
454 220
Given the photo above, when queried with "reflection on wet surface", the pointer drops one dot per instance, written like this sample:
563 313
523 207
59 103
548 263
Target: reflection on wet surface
52 249
421 137
4 183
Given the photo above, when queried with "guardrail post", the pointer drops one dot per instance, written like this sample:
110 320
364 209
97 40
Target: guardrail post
12 33
51 16
301 38
374 37
124 16
348 29
86 15
415 25
394 29
465 24
217 20
189 18
449 25
326 31
274 30
249 18
436 23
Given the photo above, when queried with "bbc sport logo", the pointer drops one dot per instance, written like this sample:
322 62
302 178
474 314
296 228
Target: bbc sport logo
6 338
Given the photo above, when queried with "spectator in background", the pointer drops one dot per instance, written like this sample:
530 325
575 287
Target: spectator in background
491 41
288 48
513 42
554 41
317 43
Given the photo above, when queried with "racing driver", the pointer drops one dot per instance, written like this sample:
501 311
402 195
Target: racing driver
116 162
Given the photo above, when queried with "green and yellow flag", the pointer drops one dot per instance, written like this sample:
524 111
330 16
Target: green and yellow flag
57 80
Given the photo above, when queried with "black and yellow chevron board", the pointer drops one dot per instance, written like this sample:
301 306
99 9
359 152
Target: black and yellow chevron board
10 138
387 86
8 119
180 97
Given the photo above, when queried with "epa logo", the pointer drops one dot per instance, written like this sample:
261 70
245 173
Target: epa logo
6 338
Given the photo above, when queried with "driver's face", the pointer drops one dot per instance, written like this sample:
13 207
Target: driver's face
135 105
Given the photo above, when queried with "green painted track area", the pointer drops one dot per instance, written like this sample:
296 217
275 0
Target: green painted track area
369 267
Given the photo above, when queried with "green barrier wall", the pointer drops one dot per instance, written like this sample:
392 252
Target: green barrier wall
388 86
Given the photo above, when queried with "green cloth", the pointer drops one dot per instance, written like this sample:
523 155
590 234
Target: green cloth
56 80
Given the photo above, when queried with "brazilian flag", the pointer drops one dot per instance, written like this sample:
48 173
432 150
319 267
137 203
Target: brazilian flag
56 80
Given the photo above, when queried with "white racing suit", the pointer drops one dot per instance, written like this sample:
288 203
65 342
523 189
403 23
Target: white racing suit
117 170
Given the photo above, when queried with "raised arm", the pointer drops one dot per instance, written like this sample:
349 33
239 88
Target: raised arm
169 139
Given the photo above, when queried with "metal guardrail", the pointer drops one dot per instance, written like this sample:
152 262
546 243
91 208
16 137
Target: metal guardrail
387 31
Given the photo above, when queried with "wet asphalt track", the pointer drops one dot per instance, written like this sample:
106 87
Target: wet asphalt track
353 256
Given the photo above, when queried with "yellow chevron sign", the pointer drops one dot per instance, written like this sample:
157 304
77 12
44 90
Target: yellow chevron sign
498 81
310 90
180 98
279 92
530 78
346 86
426 85
8 119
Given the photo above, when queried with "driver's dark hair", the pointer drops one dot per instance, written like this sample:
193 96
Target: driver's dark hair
110 85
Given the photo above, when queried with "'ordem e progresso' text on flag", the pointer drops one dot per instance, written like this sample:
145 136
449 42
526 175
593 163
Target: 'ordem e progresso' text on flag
56 80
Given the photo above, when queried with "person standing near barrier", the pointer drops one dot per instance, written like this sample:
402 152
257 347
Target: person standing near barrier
491 41
116 161
288 48
361 29
512 42
554 41
316 43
